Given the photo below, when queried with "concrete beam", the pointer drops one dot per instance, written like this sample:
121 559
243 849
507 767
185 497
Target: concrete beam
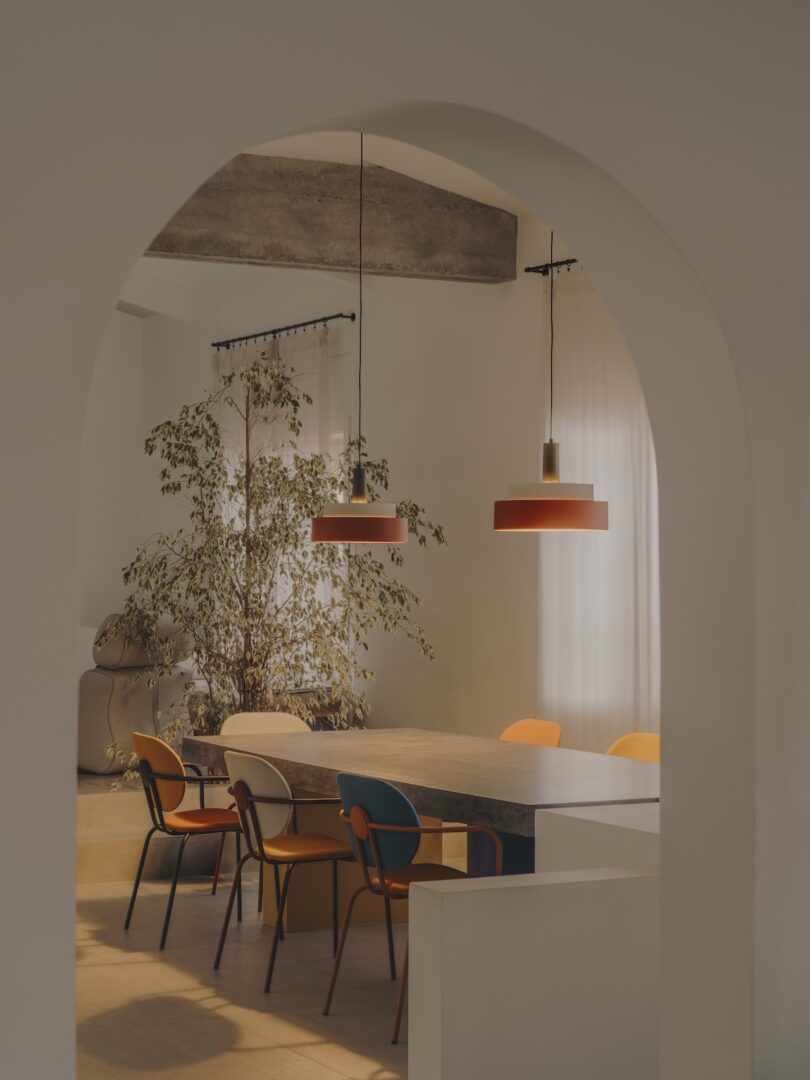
289 212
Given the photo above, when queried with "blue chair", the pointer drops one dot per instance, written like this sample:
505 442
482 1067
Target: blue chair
385 833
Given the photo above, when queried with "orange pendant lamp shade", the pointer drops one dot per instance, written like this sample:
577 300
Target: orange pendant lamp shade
544 514
550 506
350 529
359 521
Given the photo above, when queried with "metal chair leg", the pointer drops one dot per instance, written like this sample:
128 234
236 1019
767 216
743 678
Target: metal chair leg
278 899
277 932
334 907
261 888
238 837
218 865
237 874
346 921
403 990
392 961
141 865
173 890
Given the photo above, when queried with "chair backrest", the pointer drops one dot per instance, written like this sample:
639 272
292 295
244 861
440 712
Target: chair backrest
385 804
161 758
534 732
262 778
640 745
262 723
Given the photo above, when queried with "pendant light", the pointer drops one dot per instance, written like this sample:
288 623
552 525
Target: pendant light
550 506
359 521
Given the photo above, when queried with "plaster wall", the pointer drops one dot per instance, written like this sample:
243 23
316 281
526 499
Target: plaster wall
109 508
667 143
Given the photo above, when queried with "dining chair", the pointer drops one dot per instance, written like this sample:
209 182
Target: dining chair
262 723
385 833
640 745
267 810
533 732
164 780
256 723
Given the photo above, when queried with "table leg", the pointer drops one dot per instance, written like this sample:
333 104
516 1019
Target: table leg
518 854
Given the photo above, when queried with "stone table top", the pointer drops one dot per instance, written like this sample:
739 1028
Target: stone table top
463 778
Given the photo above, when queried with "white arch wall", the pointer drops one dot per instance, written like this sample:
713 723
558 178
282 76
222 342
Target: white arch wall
111 117
707 689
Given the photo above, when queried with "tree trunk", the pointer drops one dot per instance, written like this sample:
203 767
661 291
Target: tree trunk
247 692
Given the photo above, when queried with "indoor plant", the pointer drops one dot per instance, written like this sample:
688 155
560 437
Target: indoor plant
265 611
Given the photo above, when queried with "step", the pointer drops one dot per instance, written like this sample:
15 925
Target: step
106 857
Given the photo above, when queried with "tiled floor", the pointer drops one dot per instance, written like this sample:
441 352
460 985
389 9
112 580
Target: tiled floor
145 1013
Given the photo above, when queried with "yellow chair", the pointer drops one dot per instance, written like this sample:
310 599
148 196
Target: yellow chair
533 732
639 745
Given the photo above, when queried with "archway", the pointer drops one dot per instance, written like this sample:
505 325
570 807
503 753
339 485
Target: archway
706 580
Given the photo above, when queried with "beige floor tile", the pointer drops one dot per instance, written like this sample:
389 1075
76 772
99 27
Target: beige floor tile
142 1012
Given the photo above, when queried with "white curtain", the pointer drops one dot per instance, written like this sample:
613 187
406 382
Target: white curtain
598 609
307 354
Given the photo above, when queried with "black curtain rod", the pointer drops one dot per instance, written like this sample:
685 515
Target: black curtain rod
280 330
544 268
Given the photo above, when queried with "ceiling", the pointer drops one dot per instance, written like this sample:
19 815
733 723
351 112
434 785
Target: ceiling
183 287
344 147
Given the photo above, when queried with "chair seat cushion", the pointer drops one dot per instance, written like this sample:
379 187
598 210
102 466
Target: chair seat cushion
211 819
291 847
399 881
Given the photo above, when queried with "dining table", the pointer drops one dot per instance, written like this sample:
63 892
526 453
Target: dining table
449 776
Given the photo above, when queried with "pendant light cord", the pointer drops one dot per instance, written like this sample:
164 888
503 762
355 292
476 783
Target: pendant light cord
551 340
360 318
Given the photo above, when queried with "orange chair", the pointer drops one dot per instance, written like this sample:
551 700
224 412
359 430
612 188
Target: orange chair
533 732
639 745
164 782
267 811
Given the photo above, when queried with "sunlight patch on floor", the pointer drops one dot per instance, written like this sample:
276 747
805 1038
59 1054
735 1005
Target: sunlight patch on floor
141 1012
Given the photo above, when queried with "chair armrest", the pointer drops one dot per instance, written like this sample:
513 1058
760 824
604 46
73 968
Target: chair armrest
186 779
425 829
